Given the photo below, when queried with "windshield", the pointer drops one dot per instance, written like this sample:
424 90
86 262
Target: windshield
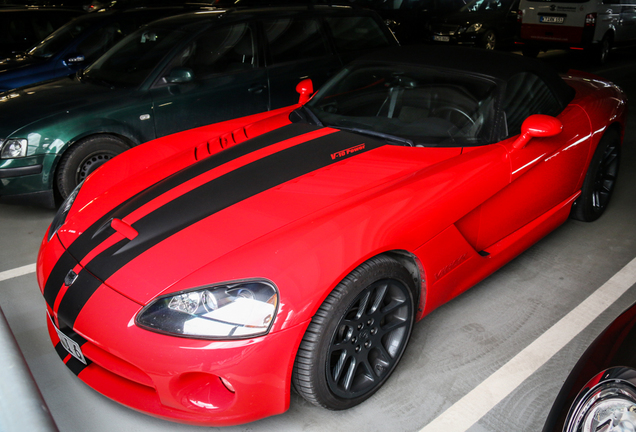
62 37
421 106
130 62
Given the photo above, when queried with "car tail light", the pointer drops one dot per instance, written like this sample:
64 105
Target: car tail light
590 20
519 15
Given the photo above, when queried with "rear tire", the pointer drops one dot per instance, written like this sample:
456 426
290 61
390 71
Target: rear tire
85 157
600 52
600 179
357 337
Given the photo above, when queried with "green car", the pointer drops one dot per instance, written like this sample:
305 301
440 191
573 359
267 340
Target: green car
174 74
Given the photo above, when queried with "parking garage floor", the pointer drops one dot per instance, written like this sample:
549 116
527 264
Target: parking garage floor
454 352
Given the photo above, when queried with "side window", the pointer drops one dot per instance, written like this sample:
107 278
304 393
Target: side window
220 50
527 94
356 33
98 42
19 29
295 39
42 27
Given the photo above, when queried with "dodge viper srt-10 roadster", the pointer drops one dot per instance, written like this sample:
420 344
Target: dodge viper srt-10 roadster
200 276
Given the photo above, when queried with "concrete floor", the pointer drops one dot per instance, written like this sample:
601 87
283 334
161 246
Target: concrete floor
451 351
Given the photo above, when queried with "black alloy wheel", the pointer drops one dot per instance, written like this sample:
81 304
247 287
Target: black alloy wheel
357 337
600 179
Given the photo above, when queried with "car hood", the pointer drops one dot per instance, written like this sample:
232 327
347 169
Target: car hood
19 62
22 107
182 221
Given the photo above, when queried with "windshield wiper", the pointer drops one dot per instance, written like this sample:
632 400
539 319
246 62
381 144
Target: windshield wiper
387 137
307 115
83 76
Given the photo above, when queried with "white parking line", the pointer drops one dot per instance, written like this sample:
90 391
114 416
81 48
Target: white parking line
472 407
16 272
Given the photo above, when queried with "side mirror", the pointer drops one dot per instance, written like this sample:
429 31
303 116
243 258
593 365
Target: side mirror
73 59
180 75
539 126
305 88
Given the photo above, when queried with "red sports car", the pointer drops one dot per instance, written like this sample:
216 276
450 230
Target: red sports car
199 276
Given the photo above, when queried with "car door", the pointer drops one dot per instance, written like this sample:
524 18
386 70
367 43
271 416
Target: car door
216 77
626 27
298 48
544 173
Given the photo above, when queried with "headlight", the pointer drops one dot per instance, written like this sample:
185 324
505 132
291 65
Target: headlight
14 148
230 311
609 406
474 28
60 217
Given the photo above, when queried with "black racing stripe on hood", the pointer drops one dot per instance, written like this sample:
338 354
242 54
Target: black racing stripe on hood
101 230
226 191
55 280
217 195
76 297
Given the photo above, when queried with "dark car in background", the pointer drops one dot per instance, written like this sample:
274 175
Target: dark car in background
408 19
77 44
174 74
600 392
22 27
69 4
488 24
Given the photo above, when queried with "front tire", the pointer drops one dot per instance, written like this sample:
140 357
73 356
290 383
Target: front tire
357 336
84 158
489 40
600 179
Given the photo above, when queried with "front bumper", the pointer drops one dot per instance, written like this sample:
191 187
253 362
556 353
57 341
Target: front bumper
170 377
26 181
467 39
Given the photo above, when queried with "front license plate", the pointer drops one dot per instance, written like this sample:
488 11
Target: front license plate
69 344
551 20
441 38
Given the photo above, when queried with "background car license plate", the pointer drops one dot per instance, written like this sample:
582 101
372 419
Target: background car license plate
441 38
552 19
69 344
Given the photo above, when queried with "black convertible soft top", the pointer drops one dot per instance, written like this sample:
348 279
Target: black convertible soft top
499 66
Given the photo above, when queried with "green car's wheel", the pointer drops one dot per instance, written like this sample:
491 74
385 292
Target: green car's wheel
85 157
357 336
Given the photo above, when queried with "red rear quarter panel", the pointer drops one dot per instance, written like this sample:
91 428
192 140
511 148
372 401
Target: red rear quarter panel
604 103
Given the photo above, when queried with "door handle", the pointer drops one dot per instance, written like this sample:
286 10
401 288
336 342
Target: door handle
257 88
